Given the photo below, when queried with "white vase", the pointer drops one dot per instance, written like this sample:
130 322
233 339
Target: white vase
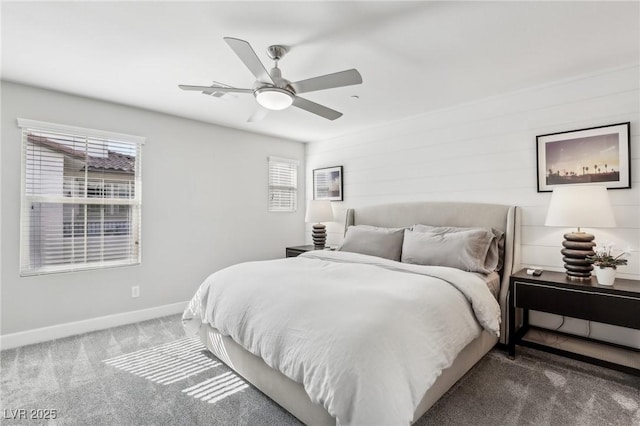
605 276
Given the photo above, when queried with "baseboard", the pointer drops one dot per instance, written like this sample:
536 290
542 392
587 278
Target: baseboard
22 338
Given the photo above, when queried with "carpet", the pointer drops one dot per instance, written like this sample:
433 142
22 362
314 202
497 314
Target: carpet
538 388
150 373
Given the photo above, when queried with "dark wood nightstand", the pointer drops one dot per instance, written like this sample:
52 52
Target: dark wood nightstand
552 292
298 250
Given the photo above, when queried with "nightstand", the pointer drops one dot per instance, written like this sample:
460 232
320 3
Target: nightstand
298 250
552 292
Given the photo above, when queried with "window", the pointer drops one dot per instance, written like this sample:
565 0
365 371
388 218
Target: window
283 185
81 198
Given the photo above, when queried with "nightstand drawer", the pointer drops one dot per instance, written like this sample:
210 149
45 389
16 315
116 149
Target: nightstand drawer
295 251
588 305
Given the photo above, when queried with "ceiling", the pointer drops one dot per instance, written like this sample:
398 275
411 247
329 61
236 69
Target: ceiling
414 57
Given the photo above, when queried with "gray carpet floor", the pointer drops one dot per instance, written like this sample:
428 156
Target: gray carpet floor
150 373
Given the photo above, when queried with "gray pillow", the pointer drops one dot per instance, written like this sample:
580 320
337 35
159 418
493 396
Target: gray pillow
494 259
466 250
374 241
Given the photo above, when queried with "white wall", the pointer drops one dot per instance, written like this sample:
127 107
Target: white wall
204 207
485 152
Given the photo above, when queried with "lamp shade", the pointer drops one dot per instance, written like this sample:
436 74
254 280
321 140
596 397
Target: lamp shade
580 206
319 211
274 98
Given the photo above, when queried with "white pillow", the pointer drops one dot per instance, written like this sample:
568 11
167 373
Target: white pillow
374 241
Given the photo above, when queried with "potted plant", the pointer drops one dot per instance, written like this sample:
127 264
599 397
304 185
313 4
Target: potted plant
606 263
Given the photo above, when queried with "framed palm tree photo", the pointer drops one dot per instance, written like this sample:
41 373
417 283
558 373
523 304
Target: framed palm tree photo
593 156
327 184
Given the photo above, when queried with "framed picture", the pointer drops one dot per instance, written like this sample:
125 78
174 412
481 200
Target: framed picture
327 184
593 156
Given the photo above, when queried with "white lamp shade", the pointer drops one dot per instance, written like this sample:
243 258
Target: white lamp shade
580 206
319 211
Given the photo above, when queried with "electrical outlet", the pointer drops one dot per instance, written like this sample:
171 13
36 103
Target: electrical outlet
135 291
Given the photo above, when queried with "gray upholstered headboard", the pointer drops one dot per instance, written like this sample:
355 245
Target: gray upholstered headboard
505 218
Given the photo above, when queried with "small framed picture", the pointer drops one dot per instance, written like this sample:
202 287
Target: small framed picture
593 156
327 184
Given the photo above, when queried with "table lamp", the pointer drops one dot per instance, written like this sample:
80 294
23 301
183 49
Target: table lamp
319 211
579 206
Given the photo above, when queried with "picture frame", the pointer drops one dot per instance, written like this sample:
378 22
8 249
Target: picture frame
327 184
592 156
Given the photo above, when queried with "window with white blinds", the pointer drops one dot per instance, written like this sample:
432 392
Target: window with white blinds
283 185
81 198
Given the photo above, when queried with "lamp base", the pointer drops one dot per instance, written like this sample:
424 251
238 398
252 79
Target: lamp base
319 235
576 247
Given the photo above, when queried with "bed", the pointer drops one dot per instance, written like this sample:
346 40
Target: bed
308 398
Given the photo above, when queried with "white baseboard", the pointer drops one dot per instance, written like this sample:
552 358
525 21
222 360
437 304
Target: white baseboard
13 340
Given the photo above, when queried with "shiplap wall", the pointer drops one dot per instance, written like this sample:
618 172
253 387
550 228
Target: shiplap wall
485 151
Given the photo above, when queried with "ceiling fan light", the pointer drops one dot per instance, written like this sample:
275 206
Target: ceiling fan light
274 98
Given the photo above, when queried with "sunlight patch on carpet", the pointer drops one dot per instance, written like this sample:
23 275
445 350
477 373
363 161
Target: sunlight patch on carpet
217 388
168 363
624 401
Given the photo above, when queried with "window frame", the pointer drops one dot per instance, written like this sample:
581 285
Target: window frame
270 189
135 203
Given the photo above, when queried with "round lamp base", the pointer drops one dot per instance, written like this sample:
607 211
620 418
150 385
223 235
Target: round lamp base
576 247
319 235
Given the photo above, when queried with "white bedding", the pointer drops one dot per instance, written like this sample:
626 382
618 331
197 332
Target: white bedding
317 319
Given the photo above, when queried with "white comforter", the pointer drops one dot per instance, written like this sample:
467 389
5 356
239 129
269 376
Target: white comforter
365 336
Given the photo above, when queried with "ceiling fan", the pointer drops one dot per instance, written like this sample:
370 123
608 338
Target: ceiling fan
272 92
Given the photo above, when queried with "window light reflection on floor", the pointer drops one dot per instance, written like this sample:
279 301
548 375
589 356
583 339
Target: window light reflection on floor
217 388
175 361
168 363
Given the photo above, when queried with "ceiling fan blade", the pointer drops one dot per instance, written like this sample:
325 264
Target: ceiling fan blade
260 113
329 81
210 89
216 93
321 110
249 58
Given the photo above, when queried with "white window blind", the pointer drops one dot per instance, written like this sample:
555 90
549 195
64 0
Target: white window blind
283 185
81 199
